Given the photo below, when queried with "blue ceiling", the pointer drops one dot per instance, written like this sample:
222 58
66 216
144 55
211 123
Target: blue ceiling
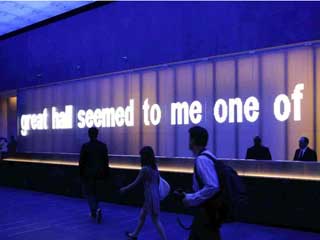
18 14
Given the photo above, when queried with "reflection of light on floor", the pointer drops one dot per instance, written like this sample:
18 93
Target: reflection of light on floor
174 169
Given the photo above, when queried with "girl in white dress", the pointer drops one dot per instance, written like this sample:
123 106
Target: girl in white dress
149 176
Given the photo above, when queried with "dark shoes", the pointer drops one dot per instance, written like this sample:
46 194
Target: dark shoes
99 215
129 236
93 215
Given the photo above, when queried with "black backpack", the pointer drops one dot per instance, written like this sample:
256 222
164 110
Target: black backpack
225 205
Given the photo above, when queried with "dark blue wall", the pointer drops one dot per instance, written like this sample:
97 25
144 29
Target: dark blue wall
95 41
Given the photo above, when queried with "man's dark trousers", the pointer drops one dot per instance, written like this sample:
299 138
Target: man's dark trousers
202 228
90 186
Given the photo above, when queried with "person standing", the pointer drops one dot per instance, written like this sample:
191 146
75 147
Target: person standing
12 146
258 151
3 147
304 153
205 185
150 178
94 166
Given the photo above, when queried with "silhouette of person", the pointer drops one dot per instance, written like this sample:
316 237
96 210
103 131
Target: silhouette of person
94 165
149 177
304 153
12 146
258 151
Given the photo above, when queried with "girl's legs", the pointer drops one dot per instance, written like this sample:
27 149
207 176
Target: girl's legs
142 218
156 221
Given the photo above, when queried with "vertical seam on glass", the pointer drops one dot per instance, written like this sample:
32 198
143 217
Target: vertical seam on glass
286 91
194 85
126 100
214 93
112 129
236 62
260 95
175 100
315 118
140 115
157 101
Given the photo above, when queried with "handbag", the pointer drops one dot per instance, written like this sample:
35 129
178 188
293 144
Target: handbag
164 188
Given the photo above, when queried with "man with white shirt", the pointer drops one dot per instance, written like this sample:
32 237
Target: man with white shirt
205 186
304 153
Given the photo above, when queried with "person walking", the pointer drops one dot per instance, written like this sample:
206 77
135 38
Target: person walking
149 177
94 166
206 186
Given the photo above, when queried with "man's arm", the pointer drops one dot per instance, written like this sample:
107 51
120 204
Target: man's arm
137 181
269 154
248 155
106 154
208 175
106 161
82 160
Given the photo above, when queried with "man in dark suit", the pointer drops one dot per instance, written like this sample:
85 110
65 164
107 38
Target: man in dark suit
93 166
304 153
258 151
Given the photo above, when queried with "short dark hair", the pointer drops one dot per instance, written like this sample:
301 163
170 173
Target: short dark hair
306 140
147 157
257 140
199 135
93 132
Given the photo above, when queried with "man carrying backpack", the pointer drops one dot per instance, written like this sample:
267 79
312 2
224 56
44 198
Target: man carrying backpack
206 223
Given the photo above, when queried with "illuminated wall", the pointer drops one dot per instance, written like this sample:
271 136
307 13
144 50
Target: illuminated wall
8 116
263 74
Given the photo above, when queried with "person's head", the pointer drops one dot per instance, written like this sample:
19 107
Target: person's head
147 157
93 133
303 142
12 138
198 139
257 141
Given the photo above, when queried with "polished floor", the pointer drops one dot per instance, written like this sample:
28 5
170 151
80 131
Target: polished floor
27 215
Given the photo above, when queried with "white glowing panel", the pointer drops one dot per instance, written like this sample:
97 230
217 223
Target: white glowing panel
181 113
18 14
156 106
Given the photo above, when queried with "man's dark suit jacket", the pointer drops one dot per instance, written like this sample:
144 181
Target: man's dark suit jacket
258 153
94 160
309 155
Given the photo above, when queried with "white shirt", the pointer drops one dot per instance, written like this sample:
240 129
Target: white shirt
207 172
302 151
